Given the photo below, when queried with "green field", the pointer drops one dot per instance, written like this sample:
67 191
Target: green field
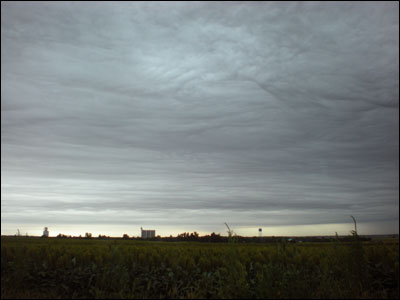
93 268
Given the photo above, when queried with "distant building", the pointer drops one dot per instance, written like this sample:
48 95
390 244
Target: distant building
45 232
148 234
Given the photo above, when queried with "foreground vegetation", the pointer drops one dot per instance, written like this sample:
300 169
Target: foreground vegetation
95 268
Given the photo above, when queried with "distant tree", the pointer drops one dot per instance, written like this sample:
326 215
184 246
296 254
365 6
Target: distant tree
230 231
88 235
215 237
232 238
354 232
125 236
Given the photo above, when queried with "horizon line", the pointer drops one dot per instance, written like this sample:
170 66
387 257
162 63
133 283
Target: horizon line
266 236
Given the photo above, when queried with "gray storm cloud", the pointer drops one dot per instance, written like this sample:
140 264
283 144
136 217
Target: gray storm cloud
256 113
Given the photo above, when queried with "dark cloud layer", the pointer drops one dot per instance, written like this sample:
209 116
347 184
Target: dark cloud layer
177 114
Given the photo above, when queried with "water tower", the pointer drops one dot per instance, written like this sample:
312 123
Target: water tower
45 232
259 232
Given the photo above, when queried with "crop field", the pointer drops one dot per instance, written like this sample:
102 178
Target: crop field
116 268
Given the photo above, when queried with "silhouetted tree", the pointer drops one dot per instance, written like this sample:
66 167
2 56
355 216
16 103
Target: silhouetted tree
354 232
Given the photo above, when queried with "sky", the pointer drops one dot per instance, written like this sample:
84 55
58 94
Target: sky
180 116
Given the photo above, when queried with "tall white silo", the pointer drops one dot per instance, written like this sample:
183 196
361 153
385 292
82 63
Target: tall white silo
45 232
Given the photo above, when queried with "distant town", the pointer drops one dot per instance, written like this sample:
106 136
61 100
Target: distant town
150 235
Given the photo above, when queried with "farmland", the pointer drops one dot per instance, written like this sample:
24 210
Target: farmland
115 268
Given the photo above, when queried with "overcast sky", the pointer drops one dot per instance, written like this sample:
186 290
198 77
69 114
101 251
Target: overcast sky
182 116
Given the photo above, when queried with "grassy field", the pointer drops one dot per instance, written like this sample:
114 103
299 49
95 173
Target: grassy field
93 268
